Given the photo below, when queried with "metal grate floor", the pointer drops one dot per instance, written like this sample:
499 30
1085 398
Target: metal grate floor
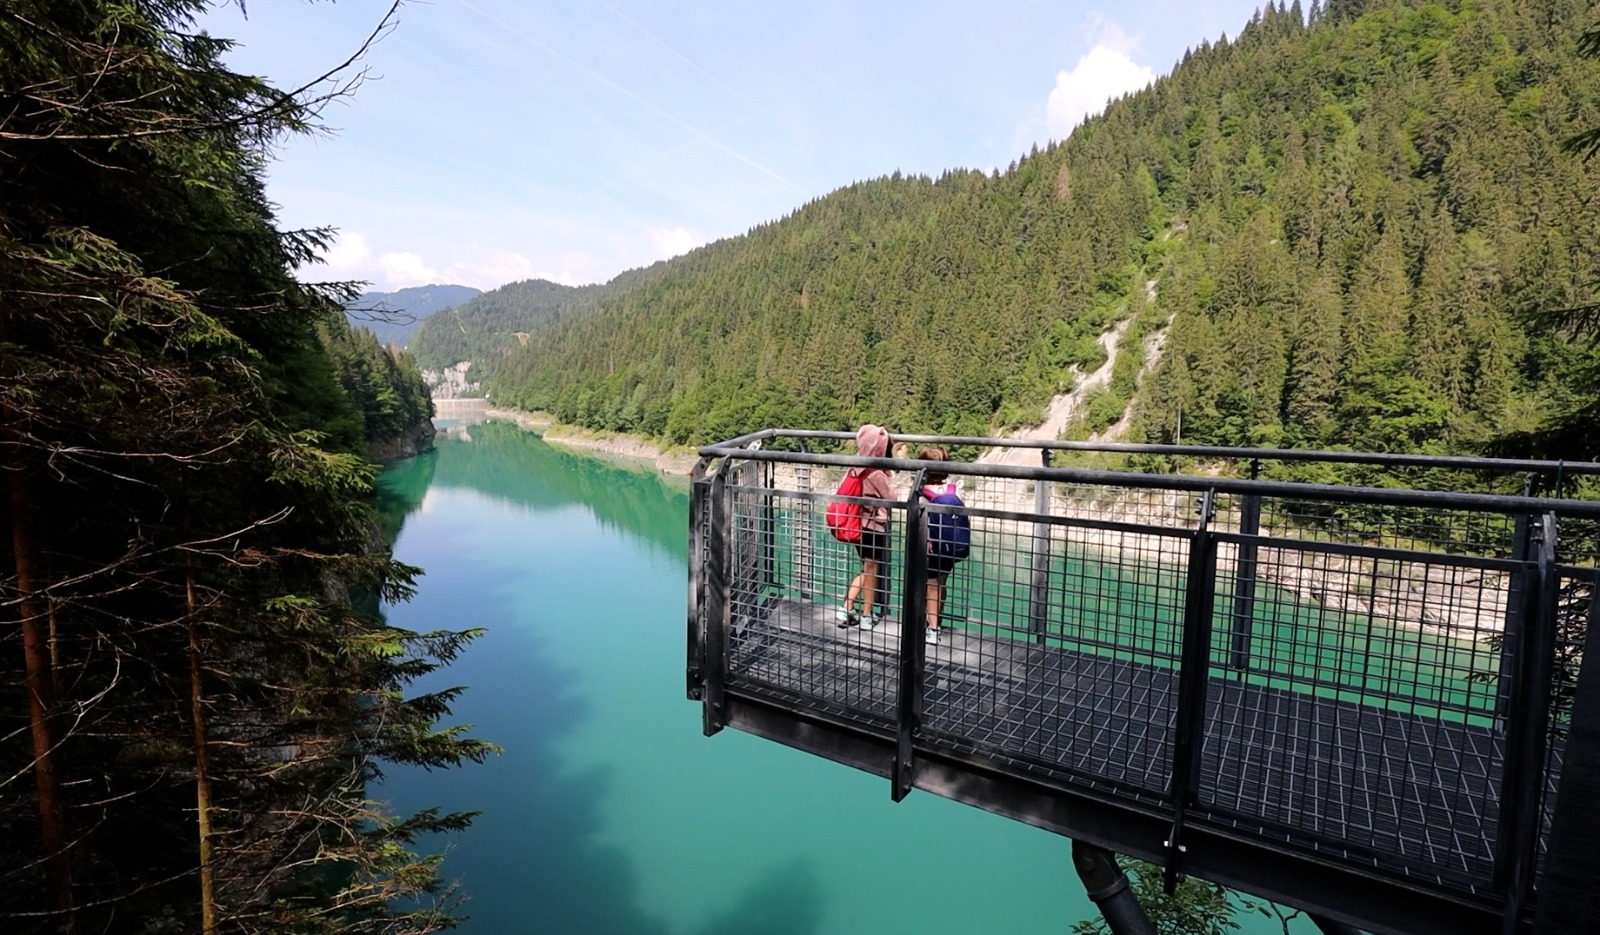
1406 791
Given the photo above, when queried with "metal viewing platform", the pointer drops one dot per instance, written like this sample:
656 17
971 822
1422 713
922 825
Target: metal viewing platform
1364 702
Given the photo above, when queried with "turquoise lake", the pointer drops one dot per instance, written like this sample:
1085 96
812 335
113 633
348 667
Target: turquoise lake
609 812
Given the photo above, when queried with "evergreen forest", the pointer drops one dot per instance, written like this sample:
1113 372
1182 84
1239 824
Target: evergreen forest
1349 226
196 686
490 326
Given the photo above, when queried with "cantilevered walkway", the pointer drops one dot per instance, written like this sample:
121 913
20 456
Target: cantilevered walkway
1367 703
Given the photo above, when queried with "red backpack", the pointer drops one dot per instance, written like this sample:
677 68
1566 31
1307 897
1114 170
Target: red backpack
844 516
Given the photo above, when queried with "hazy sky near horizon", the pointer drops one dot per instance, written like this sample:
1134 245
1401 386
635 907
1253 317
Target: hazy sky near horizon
498 140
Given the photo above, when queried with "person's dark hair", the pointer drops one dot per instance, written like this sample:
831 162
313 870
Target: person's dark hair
934 453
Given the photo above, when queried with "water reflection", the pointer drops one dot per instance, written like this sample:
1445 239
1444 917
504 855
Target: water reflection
608 811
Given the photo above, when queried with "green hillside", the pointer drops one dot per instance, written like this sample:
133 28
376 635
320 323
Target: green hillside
487 327
395 316
1352 231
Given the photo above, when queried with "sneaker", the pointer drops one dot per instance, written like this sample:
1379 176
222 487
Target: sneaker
867 623
931 637
846 618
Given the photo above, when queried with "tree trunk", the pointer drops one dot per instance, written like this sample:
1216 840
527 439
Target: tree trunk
41 693
202 770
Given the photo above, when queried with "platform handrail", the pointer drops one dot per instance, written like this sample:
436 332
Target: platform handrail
1223 452
1389 496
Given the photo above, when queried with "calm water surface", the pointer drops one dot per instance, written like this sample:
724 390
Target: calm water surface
608 811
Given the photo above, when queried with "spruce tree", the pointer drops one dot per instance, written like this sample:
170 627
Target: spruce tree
191 576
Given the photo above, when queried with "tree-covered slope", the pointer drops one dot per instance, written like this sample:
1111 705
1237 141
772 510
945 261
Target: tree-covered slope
395 316
487 327
385 388
196 685
1351 229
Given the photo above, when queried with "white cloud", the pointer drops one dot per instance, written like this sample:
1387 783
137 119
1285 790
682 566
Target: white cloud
668 242
486 269
1103 74
406 269
353 257
348 257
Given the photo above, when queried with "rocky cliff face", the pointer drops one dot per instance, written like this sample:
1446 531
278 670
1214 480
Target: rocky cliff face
415 442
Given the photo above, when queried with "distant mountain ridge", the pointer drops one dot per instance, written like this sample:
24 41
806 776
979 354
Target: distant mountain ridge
395 316
491 325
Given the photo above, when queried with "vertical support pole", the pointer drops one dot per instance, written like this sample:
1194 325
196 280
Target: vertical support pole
913 618
719 603
767 532
1039 560
699 505
805 520
1572 863
1108 888
1193 680
1512 633
1244 595
1522 783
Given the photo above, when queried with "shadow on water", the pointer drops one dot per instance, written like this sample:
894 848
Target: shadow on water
537 859
786 900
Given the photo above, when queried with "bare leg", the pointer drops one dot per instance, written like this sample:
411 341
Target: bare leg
869 585
853 591
935 602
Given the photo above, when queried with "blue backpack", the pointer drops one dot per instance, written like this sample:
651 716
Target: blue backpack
949 534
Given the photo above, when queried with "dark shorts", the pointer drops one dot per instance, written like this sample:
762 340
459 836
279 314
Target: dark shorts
939 567
874 546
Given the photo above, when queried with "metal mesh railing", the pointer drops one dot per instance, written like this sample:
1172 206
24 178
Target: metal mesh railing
787 633
1344 677
1063 649
1357 705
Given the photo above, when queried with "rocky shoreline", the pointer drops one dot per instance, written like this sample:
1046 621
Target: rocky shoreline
635 449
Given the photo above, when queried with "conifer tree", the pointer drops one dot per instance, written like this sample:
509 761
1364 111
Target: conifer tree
191 578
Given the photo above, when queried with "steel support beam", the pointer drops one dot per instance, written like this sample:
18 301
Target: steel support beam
1108 888
1328 926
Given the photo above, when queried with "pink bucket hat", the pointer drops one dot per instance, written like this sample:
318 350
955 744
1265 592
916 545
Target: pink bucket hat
872 441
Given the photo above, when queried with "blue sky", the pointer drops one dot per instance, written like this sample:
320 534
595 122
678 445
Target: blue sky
498 140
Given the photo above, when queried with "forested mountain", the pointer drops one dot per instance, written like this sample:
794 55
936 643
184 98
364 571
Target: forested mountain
489 326
195 685
385 389
1351 223
395 316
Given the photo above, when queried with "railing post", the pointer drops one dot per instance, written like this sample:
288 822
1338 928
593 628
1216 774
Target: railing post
1244 595
1572 862
1193 680
719 604
1514 604
1522 782
913 618
699 494
768 531
1039 562
804 520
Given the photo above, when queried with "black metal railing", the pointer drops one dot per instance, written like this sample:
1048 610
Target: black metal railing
1370 675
